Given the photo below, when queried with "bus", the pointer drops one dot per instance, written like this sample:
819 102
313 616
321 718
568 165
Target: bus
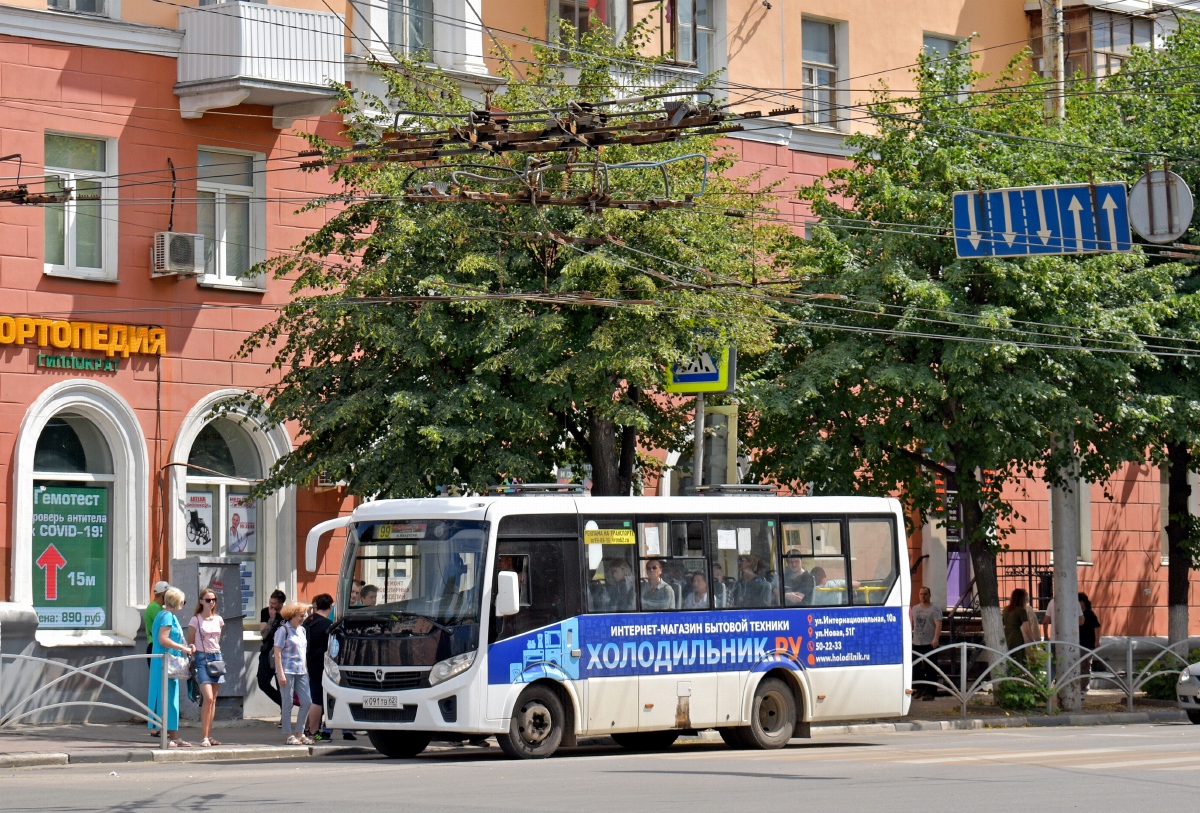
540 619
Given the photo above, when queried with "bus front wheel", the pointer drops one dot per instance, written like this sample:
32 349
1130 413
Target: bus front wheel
646 740
536 728
400 744
772 717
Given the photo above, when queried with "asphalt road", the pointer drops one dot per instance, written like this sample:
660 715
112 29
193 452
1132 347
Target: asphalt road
1095 769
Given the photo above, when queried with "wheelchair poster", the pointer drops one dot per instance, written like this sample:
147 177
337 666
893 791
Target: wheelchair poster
198 522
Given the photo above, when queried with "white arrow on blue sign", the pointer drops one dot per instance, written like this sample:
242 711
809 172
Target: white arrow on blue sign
1032 220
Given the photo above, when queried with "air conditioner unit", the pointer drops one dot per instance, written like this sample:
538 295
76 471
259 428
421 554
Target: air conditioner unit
177 253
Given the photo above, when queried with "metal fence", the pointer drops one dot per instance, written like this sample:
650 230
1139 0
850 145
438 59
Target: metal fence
1112 663
38 680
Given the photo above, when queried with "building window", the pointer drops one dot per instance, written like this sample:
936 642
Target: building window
80 237
580 15
706 36
672 27
1164 514
1082 494
1097 43
73 533
819 72
410 26
228 215
219 517
95 7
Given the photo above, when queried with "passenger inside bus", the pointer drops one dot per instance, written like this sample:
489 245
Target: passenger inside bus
720 587
368 595
752 589
656 593
698 598
618 594
798 583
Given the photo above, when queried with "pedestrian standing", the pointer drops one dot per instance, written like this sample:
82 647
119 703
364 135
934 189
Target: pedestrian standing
168 638
152 611
1020 625
316 630
204 633
926 620
270 621
1089 633
291 669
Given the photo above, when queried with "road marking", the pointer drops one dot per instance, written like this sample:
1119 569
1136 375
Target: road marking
1009 755
1191 759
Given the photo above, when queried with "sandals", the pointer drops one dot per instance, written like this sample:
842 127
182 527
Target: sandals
209 741
178 744
294 740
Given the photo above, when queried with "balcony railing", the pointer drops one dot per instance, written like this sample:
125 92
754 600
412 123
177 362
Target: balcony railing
250 53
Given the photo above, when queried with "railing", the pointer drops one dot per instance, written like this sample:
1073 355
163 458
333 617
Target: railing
1059 673
40 691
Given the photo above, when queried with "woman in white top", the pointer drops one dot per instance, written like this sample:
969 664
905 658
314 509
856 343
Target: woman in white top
204 632
698 598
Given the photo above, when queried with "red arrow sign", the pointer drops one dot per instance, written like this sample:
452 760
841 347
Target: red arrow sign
50 561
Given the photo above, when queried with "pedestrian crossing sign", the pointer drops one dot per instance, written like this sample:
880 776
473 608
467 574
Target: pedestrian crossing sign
706 371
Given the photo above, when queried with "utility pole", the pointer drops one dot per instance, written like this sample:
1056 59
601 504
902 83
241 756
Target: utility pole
1065 505
1053 60
698 449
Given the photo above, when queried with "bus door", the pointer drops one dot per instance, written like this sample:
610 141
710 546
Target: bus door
549 602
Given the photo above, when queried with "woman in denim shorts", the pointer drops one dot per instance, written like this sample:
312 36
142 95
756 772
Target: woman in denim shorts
204 630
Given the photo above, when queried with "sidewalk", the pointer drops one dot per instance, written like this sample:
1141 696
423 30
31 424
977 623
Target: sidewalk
131 742
259 739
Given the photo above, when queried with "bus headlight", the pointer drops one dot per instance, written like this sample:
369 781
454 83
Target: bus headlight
331 670
450 667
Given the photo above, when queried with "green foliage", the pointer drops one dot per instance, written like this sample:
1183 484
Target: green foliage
928 365
1162 687
1015 695
428 344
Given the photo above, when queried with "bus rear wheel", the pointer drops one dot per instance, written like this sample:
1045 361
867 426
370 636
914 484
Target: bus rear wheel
536 728
734 737
646 740
400 744
772 716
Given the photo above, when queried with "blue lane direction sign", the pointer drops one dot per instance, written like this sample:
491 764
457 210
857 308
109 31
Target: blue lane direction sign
1033 220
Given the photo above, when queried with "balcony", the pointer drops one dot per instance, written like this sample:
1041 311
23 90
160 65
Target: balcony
250 53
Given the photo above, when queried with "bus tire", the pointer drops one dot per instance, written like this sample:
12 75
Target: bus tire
735 738
646 740
536 728
400 744
772 715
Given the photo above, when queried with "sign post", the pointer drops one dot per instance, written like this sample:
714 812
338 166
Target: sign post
70 543
707 371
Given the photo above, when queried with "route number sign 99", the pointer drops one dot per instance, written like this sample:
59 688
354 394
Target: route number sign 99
70 557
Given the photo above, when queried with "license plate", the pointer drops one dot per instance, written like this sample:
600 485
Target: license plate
380 701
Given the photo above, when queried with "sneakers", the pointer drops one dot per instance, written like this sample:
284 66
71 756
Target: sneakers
346 735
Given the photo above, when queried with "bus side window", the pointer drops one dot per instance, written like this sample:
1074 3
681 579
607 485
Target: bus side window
745 559
872 559
609 565
828 565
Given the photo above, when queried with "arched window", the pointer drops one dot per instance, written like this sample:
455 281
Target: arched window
73 519
220 518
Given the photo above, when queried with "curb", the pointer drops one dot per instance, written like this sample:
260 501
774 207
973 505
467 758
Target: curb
261 752
978 723
219 754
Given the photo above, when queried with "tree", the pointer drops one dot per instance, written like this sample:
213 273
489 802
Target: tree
1150 109
465 344
982 372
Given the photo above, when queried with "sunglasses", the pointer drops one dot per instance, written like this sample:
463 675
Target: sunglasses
209 600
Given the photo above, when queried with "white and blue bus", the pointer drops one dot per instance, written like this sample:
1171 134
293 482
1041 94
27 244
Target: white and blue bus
542 619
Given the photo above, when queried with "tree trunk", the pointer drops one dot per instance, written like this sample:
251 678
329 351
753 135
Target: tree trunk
1178 554
612 467
983 561
1064 540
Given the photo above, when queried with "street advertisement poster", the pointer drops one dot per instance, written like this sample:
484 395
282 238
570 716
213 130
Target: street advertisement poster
198 519
70 557
247 573
242 515
684 643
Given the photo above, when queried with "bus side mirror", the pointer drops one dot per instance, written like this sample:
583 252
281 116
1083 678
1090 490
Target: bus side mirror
507 594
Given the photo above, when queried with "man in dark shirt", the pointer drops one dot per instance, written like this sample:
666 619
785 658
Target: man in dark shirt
317 629
798 583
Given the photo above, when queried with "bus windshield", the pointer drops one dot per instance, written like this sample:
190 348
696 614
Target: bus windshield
430 569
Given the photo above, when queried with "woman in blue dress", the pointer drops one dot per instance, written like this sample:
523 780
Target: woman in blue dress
167 636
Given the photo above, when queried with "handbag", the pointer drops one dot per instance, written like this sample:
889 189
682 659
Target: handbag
216 668
179 667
